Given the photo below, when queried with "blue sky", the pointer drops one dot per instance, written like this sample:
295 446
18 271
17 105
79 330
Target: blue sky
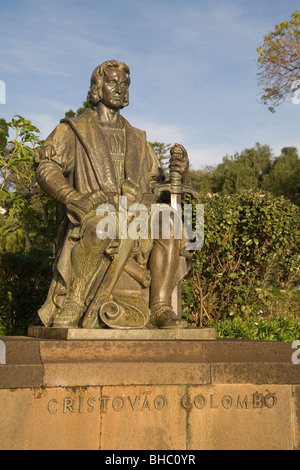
192 64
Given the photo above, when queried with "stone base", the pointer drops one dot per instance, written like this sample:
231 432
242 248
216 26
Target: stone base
133 394
138 334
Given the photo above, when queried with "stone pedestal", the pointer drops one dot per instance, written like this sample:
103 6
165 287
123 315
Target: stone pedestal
155 394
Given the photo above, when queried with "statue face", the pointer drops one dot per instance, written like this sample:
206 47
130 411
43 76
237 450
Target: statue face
115 86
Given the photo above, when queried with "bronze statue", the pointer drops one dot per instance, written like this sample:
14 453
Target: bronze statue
90 161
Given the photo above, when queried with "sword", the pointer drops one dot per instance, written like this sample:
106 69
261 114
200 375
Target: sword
177 189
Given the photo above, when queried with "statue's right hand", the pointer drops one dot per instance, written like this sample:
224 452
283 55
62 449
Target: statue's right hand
79 206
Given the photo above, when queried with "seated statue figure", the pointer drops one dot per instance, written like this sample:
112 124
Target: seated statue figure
92 160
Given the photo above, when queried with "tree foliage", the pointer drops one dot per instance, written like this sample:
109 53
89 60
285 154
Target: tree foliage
243 171
279 62
3 135
24 282
29 223
30 218
252 243
256 169
284 177
162 152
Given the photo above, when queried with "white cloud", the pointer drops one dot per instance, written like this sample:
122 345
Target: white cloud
201 157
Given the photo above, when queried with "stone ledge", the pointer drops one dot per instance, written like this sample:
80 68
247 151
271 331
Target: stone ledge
21 376
125 373
296 394
255 373
131 334
115 351
21 350
237 350
245 361
33 361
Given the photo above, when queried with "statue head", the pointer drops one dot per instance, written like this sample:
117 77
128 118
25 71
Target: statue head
95 94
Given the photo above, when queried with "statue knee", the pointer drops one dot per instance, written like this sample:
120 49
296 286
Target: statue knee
99 229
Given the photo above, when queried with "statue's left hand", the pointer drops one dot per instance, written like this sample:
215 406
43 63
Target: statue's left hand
179 160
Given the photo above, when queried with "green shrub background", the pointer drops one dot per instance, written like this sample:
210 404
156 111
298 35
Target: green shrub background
243 281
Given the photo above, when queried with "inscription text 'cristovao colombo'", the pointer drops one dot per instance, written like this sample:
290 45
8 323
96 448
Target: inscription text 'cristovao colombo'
142 403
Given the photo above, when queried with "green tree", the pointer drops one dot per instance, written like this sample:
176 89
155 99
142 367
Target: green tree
256 169
31 218
279 62
284 176
28 230
162 152
240 171
3 135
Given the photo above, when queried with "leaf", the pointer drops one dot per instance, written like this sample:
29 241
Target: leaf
234 276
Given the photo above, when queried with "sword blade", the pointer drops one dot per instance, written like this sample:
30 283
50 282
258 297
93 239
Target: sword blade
176 301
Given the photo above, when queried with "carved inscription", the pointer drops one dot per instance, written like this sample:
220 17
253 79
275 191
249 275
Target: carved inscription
145 402
228 402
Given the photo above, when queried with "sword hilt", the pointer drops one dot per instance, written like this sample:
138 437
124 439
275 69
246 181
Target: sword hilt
175 185
175 182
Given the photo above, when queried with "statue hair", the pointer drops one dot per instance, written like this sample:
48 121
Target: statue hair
95 93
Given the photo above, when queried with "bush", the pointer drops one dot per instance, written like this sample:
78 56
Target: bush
24 283
251 245
282 328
